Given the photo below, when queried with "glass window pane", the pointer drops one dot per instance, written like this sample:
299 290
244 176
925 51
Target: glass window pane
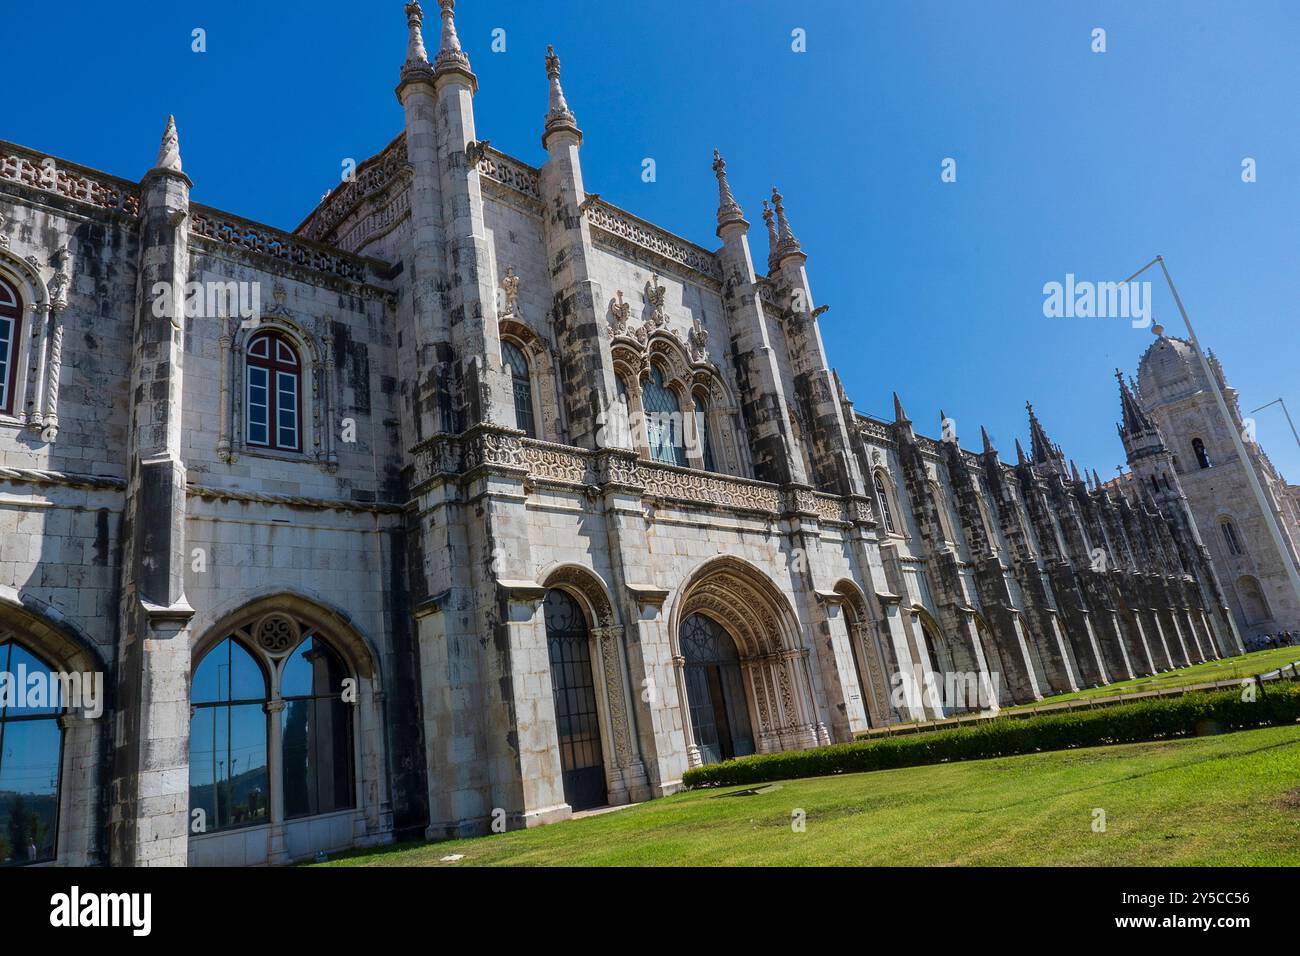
29 790
228 669
31 687
247 682
228 768
317 754
313 669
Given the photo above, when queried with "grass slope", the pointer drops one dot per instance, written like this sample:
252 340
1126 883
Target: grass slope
1246 665
1227 800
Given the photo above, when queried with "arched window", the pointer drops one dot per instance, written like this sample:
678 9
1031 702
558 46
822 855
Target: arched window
240 698
274 390
702 433
317 732
1254 606
1230 537
522 385
886 510
228 743
662 420
1202 457
31 752
11 318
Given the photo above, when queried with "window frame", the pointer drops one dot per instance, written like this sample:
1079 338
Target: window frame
275 368
6 655
517 382
272 667
13 314
886 503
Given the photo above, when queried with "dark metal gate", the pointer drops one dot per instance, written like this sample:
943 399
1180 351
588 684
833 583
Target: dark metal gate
715 691
576 718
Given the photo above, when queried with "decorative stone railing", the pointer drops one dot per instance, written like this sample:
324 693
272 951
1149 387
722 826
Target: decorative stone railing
544 464
68 180
511 173
627 227
211 224
877 431
372 176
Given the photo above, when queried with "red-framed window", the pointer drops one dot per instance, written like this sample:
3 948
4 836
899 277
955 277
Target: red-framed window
11 327
273 393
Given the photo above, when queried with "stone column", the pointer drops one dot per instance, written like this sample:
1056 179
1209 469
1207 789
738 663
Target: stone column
276 850
149 817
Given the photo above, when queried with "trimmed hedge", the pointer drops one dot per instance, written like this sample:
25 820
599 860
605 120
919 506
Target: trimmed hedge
1191 714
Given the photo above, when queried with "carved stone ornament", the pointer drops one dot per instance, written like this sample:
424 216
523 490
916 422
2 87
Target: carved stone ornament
619 312
510 292
654 296
698 339
276 634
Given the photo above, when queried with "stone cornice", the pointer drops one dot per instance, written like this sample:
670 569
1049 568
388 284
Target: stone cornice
293 501
33 476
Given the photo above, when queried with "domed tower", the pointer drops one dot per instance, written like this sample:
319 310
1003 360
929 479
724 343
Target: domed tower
1177 396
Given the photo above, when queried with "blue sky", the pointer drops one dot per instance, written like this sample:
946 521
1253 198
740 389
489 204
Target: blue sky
1068 161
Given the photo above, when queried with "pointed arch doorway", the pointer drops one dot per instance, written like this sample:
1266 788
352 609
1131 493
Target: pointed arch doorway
715 691
577 719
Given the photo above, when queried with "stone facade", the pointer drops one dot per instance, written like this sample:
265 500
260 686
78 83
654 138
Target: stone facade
480 355
1176 400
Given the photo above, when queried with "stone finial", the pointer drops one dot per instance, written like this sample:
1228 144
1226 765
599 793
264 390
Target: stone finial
1135 420
988 444
771 236
786 243
899 414
415 52
450 56
1044 450
558 115
1020 453
729 210
169 152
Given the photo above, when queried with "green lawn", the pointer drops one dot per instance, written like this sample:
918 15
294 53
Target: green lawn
1245 665
1226 800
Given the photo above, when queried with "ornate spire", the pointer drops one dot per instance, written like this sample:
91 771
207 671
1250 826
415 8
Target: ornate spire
1020 453
1135 419
729 210
415 53
169 152
1041 446
988 445
451 57
1074 473
416 67
899 414
771 236
786 243
559 116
